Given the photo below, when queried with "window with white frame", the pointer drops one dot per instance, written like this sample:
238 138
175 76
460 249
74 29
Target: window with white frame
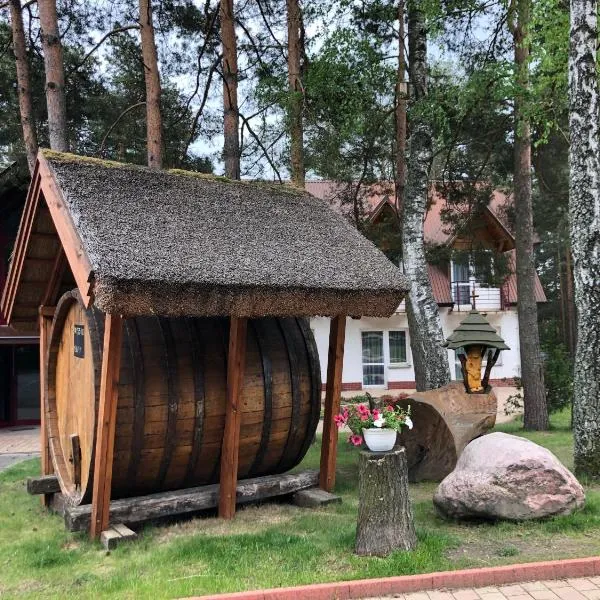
381 349
397 347
373 358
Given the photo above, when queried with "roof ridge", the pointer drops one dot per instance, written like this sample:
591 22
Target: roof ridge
69 157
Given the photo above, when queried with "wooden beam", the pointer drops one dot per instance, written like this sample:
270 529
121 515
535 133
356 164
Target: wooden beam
72 244
333 393
58 267
151 507
236 362
18 256
107 417
44 485
45 319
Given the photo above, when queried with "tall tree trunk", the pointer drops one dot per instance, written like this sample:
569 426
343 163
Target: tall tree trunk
55 76
532 372
231 146
426 337
400 114
152 78
294 24
571 311
584 211
23 83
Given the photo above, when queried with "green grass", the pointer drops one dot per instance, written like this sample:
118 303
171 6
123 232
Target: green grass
270 545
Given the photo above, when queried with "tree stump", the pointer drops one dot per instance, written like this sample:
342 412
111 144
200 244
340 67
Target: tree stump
385 520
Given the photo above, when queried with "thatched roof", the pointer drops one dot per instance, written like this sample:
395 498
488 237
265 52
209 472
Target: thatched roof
180 243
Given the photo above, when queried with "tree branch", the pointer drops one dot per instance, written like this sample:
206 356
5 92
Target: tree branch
211 72
7 4
129 109
102 40
261 146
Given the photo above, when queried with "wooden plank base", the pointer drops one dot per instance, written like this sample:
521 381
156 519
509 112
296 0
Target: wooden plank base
314 498
45 484
116 535
181 502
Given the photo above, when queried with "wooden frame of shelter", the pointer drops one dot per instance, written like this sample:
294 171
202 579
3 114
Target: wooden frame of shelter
79 216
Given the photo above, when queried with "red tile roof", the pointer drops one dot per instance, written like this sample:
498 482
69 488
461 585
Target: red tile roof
435 231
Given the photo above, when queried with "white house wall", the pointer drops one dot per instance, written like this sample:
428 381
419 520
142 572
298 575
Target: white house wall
403 377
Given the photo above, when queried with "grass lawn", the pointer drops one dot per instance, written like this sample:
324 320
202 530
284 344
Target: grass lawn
270 545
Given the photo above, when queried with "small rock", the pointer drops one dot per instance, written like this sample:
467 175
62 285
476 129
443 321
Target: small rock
501 476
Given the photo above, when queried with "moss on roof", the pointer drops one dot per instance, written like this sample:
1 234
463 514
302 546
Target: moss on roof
67 157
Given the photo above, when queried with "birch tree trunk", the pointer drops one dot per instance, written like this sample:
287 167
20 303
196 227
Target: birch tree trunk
400 114
23 83
584 210
532 372
231 146
426 336
153 90
55 75
294 25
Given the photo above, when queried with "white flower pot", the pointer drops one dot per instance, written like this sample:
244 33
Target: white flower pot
379 440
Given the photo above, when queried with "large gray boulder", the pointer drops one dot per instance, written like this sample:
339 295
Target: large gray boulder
501 476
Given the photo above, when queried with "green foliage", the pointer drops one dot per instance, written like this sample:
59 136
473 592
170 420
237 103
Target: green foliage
558 371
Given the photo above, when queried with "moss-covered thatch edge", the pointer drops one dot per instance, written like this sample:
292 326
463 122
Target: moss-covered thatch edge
67 157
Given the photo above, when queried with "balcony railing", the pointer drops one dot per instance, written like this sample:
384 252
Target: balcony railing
486 297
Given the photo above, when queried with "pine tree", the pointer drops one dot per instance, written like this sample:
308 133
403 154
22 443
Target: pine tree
295 51
231 146
23 83
55 76
153 89
532 371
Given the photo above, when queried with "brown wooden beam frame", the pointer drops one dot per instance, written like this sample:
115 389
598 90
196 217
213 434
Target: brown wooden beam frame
107 417
333 394
46 314
236 363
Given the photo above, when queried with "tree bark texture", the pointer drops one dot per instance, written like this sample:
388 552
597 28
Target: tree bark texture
385 520
584 211
400 114
532 372
153 90
296 101
426 335
231 146
55 76
23 83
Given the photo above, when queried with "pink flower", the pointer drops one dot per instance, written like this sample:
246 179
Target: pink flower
390 408
362 409
339 421
355 440
364 417
376 414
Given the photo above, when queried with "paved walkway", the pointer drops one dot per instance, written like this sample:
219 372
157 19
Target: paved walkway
17 444
560 589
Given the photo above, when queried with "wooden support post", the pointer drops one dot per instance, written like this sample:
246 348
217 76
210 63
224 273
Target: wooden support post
46 314
236 362
107 417
333 392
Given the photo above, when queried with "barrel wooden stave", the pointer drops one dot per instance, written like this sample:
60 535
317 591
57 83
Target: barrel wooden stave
172 398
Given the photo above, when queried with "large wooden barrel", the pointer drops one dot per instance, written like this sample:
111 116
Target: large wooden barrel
172 393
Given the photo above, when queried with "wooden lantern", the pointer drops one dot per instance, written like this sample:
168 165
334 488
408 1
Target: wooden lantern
472 340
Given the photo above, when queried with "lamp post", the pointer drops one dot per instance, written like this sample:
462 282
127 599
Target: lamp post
476 337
